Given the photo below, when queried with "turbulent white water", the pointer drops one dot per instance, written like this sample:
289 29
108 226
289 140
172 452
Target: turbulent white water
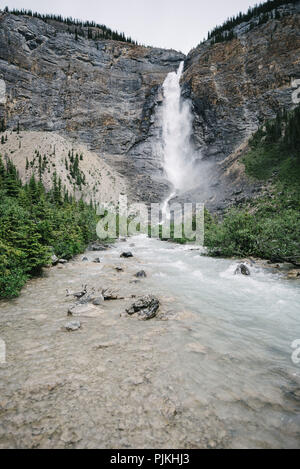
177 131
232 352
214 371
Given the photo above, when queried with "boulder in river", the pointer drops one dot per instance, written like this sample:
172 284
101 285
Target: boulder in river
87 298
73 326
109 294
98 301
54 259
62 261
141 274
146 307
78 294
97 260
86 310
242 269
98 247
295 273
84 259
126 255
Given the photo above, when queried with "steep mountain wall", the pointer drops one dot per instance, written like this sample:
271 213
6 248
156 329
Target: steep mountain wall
101 93
105 94
234 87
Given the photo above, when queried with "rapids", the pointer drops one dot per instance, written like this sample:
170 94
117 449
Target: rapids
214 370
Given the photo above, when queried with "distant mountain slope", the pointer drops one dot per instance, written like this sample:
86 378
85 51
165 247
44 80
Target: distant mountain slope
82 172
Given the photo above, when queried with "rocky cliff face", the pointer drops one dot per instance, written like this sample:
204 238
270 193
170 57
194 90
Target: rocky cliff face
105 94
101 93
234 86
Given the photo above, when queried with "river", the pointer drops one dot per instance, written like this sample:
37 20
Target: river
213 370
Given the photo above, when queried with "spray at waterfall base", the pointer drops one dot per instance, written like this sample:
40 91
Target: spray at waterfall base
177 151
178 222
184 169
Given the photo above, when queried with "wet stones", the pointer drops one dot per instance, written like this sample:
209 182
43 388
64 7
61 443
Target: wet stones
104 345
84 259
295 273
78 294
141 274
73 326
242 269
97 260
85 311
98 301
126 255
119 269
146 307
98 247
87 298
109 294
78 310
54 259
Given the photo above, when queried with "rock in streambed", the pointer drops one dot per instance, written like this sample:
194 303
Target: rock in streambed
73 326
242 269
145 307
141 274
126 255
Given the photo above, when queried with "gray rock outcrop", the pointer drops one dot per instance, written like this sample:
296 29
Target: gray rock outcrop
106 94
100 92
234 86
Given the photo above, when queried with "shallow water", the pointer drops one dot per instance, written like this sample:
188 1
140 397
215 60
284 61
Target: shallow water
213 370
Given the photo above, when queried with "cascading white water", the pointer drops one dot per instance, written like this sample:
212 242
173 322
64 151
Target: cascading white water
177 131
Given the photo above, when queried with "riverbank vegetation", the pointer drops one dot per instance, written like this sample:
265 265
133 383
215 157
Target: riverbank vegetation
34 225
267 227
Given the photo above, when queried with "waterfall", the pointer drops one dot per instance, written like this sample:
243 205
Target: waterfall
178 154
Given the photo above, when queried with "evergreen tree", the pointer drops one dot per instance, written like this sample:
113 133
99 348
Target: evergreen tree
263 12
11 181
31 220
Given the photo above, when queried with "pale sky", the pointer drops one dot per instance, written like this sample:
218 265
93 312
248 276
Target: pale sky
176 24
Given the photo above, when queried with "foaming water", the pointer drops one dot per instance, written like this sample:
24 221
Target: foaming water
236 343
214 370
178 152
183 165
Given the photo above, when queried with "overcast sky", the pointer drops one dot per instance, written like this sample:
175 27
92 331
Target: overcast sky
177 24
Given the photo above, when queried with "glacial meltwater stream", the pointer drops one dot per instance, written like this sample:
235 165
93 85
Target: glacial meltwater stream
214 369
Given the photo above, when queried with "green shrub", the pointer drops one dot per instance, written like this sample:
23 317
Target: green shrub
271 231
12 276
268 227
